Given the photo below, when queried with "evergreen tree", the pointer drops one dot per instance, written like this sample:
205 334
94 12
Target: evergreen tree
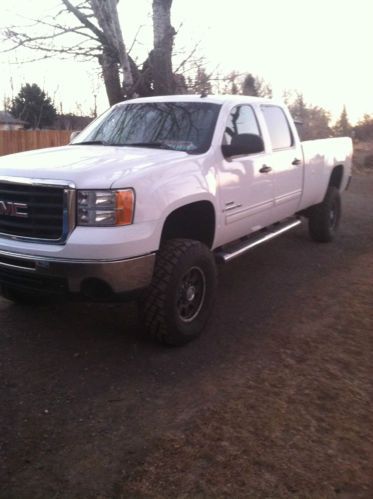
313 121
249 86
234 88
343 128
230 83
257 87
202 83
364 129
33 106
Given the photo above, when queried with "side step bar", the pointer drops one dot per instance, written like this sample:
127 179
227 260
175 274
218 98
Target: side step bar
237 249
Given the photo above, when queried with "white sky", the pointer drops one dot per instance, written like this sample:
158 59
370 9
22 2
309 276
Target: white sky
322 48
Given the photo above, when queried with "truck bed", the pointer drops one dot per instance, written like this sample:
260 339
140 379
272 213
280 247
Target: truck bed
320 157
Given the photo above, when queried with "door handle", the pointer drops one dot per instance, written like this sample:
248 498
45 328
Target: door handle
265 169
297 162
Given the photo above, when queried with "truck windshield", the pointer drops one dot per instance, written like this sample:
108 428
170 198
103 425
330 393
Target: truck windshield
180 126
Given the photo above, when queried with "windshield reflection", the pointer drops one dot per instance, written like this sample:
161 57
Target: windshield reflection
180 126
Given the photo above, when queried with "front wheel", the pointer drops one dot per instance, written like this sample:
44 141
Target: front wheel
180 299
324 218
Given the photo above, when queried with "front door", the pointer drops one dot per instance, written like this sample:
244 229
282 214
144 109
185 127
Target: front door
246 187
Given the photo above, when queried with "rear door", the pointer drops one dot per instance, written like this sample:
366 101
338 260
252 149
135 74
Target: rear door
286 161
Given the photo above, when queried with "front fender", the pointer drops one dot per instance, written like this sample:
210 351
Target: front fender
164 190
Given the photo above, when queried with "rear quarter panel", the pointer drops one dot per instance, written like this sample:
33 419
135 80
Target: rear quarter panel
320 158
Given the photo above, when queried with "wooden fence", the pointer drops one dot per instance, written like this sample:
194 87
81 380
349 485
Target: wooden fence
25 140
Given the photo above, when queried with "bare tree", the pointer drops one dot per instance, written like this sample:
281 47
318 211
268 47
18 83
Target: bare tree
114 52
97 33
164 35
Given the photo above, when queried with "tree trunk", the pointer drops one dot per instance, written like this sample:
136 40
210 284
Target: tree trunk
110 73
106 14
161 57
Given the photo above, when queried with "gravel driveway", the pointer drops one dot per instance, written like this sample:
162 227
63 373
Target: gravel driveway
275 400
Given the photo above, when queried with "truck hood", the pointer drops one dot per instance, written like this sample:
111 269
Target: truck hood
87 166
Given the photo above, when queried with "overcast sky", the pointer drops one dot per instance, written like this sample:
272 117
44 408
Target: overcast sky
322 48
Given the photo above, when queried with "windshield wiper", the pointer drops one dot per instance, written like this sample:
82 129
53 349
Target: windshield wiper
158 145
93 143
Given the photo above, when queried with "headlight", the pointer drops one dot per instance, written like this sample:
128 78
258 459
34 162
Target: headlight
106 208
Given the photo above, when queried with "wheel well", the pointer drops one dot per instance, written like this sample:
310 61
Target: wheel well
336 177
193 221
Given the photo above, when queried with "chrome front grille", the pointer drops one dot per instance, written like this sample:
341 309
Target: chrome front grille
36 210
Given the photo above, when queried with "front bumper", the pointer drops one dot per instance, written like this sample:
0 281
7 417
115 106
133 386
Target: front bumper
92 278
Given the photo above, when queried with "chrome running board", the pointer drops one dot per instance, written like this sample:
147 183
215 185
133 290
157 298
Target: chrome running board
249 242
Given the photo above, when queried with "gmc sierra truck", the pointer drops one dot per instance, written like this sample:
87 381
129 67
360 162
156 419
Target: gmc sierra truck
151 195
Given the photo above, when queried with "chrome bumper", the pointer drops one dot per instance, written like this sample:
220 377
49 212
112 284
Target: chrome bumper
118 276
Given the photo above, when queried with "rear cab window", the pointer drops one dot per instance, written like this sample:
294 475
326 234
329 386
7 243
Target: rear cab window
278 127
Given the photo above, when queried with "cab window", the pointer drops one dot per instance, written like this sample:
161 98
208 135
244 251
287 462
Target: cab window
278 127
241 120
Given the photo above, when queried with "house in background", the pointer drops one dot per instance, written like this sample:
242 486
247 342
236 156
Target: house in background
9 122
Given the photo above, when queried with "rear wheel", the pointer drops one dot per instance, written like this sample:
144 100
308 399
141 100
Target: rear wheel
324 218
179 301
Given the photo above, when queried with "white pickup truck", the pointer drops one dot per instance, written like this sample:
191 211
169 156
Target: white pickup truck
153 193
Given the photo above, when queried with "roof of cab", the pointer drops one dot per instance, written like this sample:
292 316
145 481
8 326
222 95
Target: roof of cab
215 99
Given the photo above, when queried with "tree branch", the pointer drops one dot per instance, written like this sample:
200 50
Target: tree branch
187 58
84 20
135 38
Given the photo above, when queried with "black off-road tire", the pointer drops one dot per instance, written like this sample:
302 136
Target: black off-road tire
324 218
179 301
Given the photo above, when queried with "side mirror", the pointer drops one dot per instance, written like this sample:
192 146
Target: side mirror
74 134
243 144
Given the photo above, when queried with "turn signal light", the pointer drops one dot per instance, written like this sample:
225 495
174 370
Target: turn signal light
125 204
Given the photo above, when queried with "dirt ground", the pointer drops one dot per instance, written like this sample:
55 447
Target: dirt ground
275 400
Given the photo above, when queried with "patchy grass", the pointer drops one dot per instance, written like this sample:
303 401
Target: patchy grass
299 427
